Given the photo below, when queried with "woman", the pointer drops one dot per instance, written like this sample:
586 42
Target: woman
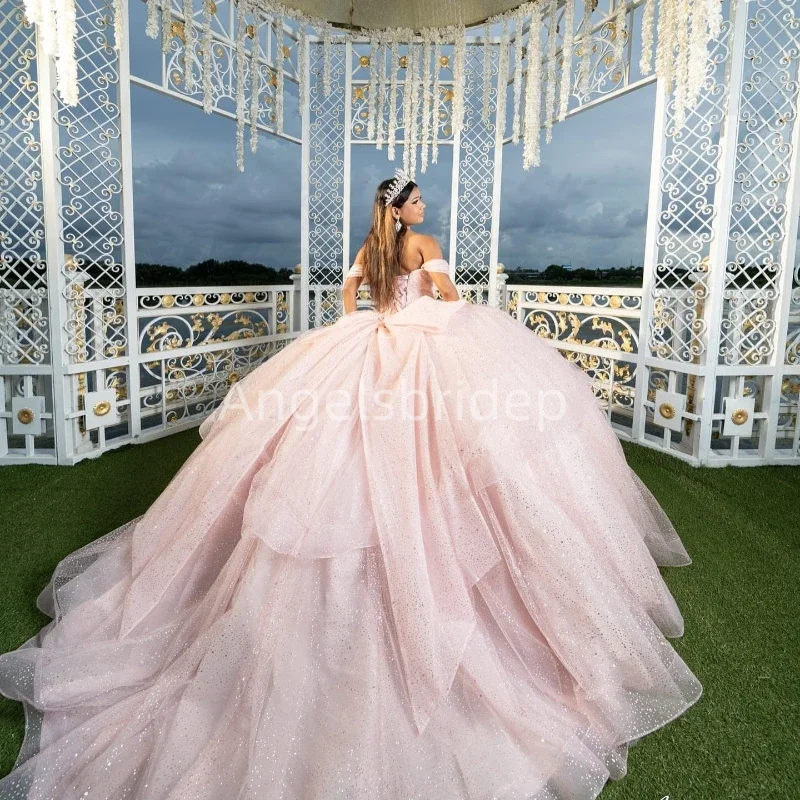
442 585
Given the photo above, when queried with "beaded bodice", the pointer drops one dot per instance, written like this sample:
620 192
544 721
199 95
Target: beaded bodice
410 285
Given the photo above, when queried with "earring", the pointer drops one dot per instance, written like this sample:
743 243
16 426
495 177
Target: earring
398 225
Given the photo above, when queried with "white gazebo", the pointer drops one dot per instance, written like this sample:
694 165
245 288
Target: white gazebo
702 361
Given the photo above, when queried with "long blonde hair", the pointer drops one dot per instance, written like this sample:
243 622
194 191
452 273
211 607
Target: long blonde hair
383 247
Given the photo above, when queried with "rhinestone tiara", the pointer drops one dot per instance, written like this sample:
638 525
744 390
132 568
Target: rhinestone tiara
397 186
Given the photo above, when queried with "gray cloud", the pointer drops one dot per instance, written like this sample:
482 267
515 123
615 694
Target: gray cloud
586 204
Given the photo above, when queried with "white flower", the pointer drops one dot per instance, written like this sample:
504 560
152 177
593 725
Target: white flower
533 92
241 32
437 66
208 95
519 19
255 85
279 58
550 96
188 44
393 61
502 80
566 55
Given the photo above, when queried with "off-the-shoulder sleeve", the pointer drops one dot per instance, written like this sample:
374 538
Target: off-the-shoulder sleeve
436 265
355 271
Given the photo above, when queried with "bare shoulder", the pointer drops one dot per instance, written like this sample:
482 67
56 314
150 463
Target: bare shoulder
359 255
427 246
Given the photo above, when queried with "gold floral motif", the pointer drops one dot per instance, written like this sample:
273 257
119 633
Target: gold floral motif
615 301
101 408
198 299
403 62
364 61
212 6
224 298
168 301
444 61
176 29
232 378
448 95
358 93
740 416
667 410
286 51
563 299
588 299
26 416
251 32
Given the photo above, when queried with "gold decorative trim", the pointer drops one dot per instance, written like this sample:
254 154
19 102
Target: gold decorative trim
176 29
101 408
26 416
740 416
364 61
667 410
403 62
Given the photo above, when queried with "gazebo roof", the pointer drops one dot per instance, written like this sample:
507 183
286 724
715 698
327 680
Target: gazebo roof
375 14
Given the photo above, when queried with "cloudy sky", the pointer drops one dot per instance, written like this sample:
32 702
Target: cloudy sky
586 203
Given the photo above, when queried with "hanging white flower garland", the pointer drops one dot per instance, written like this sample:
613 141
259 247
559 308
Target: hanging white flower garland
502 80
437 100
255 85
566 61
684 29
550 96
380 100
533 96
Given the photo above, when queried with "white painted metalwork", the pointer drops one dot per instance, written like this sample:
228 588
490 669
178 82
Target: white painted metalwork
194 343
596 328
702 362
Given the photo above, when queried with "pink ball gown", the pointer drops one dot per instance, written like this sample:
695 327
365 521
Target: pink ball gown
407 600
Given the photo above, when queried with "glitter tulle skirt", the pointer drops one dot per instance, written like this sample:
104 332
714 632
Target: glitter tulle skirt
371 583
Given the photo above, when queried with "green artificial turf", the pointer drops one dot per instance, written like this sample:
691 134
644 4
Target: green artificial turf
739 600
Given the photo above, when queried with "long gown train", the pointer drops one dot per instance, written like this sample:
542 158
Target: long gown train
417 595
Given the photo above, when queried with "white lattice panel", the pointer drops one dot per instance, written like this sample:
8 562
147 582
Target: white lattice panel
24 325
689 175
90 176
759 211
476 161
326 184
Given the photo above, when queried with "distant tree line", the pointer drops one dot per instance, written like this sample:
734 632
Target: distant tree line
558 274
241 273
211 273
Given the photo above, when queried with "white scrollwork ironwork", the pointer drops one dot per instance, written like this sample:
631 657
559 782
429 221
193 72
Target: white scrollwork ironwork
475 174
689 175
759 219
327 131
24 323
